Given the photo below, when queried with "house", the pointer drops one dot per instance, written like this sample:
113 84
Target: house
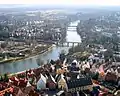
41 84
34 81
6 92
117 93
32 93
74 63
94 58
74 69
52 68
14 80
74 66
60 93
111 77
73 75
28 84
20 93
51 83
60 71
61 82
83 83
27 89
22 82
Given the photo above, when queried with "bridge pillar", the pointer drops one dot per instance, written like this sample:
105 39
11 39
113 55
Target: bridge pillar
62 44
57 43
73 44
78 44
67 44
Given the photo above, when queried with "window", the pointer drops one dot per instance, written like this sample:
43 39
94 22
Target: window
77 89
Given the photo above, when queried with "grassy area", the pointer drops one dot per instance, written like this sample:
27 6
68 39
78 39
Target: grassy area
39 50
81 55
85 53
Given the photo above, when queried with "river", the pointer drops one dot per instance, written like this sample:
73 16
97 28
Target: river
32 62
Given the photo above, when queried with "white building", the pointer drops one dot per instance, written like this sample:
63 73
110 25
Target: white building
41 84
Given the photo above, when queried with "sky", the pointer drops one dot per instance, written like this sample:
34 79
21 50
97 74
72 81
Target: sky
64 2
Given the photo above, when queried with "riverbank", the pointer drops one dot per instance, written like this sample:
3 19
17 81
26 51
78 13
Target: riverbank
28 56
11 60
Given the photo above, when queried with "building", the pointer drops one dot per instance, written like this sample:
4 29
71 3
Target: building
41 84
51 83
83 83
61 82
111 77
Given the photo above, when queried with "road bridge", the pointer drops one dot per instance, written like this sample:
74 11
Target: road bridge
67 44
72 30
61 44
72 26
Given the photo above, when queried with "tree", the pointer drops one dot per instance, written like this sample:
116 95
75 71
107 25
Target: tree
1 78
6 79
115 41
3 45
39 62
95 76
78 48
108 54
52 62
62 55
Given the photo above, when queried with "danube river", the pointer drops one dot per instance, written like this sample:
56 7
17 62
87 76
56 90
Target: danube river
33 62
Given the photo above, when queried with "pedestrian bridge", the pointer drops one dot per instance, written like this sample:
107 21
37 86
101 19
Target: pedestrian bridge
67 44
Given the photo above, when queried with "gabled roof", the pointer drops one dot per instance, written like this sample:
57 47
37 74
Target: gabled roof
53 67
28 84
84 81
42 78
78 76
10 81
61 77
56 77
46 76
16 79
52 78
32 72
75 61
41 84
26 90
20 93
73 74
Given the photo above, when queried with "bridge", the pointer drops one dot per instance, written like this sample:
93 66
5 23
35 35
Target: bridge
67 44
61 44
72 26
72 30
47 42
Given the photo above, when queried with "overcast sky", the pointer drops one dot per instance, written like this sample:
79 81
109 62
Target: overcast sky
63 2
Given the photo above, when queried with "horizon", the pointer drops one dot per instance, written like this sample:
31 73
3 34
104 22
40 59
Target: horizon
5 6
64 3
